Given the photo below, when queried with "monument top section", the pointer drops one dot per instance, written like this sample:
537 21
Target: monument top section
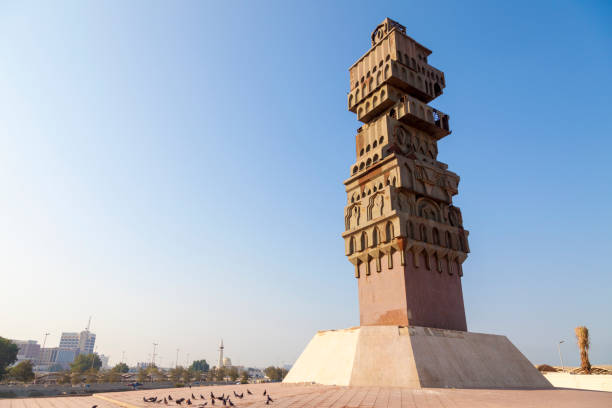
395 59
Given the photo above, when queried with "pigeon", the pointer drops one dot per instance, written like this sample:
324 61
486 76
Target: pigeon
269 399
188 401
170 397
212 395
249 392
193 396
201 396
241 395
153 399
144 399
265 392
94 406
230 402
165 401
213 401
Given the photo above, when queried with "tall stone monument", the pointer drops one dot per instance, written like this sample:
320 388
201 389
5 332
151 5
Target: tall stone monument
403 234
407 243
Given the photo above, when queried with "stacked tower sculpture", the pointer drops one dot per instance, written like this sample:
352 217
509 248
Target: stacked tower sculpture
407 243
402 232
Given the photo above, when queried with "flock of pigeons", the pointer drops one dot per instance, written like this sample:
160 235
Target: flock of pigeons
225 399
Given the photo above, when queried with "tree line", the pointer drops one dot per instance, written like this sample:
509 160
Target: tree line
87 368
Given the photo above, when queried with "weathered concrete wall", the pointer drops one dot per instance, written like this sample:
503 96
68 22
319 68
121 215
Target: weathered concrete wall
414 357
327 359
581 382
434 298
382 295
411 294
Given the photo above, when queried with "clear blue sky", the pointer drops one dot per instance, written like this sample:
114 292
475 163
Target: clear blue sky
175 170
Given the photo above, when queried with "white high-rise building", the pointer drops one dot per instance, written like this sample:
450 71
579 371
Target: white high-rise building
87 340
69 340
83 342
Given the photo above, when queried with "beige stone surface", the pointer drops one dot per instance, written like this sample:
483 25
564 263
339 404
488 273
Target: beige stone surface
581 382
327 359
318 396
414 357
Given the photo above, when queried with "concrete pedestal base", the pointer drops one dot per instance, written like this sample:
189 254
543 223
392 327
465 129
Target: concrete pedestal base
414 357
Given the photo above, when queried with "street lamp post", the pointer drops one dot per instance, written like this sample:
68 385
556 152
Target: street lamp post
560 355
176 363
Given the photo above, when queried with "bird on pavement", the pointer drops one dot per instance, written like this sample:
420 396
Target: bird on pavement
270 399
249 392
189 401
169 397
265 392
165 401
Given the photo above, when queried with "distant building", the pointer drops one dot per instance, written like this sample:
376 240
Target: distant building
104 360
255 373
83 342
69 340
28 350
59 356
227 362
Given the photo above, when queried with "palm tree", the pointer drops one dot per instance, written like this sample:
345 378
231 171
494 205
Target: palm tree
582 335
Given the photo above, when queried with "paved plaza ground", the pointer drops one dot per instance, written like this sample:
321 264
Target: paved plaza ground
289 395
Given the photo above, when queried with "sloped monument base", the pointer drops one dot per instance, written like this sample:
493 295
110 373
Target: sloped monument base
414 357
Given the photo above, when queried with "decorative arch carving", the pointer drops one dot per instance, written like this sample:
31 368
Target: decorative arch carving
363 241
375 237
351 249
428 209
389 233
352 217
423 233
376 206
